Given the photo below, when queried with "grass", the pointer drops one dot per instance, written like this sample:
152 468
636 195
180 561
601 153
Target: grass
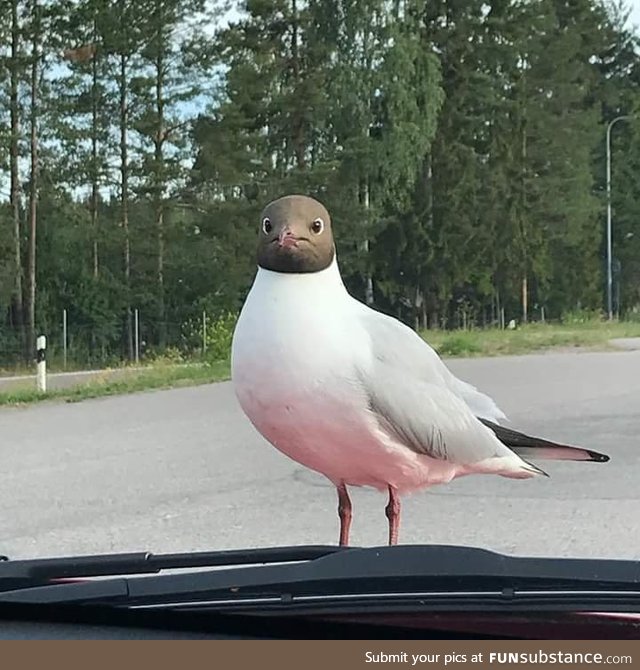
594 335
158 377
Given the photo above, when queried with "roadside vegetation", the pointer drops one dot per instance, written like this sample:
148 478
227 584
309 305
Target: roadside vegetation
530 338
175 368
120 382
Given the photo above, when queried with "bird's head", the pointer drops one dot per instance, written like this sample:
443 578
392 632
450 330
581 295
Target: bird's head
295 236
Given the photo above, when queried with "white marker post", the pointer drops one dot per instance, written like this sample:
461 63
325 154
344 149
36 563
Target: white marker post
41 359
136 328
64 337
204 332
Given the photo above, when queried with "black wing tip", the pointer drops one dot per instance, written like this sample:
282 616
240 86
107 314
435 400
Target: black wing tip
507 436
597 457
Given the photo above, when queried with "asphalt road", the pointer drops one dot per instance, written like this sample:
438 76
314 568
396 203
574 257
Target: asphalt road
183 470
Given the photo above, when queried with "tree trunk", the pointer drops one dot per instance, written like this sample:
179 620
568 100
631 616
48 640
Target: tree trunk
159 178
418 303
429 189
94 157
368 280
523 219
33 192
162 326
366 186
124 199
429 186
298 120
14 197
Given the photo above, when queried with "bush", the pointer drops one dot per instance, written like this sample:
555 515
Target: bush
168 356
219 334
576 316
633 315
458 345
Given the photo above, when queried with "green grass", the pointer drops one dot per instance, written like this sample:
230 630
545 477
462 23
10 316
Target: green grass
158 377
593 335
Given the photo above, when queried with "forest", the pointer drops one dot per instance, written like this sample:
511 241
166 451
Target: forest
458 144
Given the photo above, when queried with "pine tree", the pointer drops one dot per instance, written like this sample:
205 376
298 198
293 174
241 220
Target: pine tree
165 84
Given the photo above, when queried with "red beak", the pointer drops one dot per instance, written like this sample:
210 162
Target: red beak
287 239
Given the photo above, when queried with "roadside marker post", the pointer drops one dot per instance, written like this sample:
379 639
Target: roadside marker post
41 360
204 332
136 327
64 337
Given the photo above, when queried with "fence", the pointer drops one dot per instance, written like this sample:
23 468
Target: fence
72 344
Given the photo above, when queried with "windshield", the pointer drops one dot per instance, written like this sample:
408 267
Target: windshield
293 273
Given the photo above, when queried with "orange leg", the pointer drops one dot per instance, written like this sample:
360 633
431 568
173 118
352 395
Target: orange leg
392 510
344 512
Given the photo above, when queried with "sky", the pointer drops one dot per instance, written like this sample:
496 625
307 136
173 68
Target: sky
635 12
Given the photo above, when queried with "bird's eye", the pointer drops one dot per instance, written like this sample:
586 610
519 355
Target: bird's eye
267 226
317 226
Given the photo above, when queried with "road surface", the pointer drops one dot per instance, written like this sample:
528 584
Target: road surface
184 470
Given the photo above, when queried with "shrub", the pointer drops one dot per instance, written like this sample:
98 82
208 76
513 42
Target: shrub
576 316
458 345
219 334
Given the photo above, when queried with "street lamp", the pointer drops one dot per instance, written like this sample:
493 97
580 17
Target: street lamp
609 242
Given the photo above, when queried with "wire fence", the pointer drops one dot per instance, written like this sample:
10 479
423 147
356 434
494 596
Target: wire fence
131 339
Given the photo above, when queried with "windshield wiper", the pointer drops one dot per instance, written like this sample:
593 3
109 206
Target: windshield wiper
327 579
33 572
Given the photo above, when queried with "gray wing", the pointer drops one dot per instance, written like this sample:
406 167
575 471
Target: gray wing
397 345
427 418
414 397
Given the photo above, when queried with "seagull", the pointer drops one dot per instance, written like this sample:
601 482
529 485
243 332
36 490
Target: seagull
352 393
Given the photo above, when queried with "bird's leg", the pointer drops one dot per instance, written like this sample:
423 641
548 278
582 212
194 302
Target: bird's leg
392 510
344 512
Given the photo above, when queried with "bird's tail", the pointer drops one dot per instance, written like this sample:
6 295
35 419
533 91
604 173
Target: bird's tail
527 446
